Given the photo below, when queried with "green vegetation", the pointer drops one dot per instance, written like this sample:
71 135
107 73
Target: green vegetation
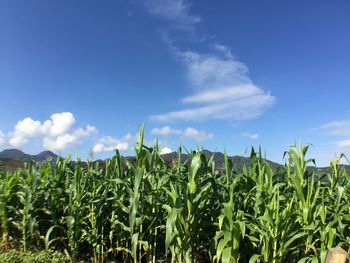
13 256
149 211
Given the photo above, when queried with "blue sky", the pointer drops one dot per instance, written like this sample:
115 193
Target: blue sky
80 76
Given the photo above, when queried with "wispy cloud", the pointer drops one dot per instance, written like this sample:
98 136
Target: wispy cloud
2 138
223 94
56 133
165 131
212 71
196 134
340 129
188 132
252 136
221 90
221 87
343 144
223 49
173 10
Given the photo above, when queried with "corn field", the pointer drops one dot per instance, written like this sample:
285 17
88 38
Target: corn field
151 211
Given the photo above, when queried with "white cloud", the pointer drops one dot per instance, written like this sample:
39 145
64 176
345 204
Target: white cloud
223 49
64 141
242 109
196 134
173 10
28 127
165 150
121 146
343 144
340 128
98 147
188 132
222 89
59 143
59 124
164 131
17 141
2 138
109 143
80 132
224 94
211 71
252 136
56 133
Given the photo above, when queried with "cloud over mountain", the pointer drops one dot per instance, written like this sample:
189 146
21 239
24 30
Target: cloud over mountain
56 133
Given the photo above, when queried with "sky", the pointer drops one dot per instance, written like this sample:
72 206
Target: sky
79 77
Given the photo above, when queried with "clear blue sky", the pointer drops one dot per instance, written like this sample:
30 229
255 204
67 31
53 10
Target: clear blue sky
82 75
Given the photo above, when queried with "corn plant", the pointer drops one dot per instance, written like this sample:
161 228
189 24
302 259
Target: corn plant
144 209
232 230
27 197
186 219
8 182
75 209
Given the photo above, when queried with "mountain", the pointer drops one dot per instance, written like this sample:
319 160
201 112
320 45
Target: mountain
44 156
219 159
240 161
11 159
14 154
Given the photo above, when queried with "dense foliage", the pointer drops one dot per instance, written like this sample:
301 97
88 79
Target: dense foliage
14 256
150 211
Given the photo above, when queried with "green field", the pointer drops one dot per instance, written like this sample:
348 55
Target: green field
152 211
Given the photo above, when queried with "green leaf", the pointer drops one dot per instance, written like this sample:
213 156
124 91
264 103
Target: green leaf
254 258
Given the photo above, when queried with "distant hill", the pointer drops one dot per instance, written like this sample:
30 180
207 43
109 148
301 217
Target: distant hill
11 159
219 159
14 154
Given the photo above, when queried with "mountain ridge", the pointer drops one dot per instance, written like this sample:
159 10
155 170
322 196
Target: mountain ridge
18 155
11 159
